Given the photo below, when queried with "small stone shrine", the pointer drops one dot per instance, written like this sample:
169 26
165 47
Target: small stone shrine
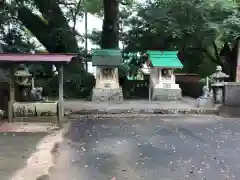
218 85
107 82
162 77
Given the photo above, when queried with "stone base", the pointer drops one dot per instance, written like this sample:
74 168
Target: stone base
31 109
107 94
205 102
160 94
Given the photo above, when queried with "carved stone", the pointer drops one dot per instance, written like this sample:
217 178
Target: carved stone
36 94
205 92
206 100
21 109
24 109
107 86
46 108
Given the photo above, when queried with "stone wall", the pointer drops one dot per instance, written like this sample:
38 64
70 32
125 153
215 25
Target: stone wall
232 94
191 89
190 85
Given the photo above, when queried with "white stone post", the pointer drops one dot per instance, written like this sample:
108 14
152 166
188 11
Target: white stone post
207 82
238 63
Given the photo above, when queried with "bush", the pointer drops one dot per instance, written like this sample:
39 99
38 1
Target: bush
77 85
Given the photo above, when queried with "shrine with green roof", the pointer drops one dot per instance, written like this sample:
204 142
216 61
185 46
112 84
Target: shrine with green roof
107 84
162 77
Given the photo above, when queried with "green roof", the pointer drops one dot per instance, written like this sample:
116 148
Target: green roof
168 59
107 52
106 57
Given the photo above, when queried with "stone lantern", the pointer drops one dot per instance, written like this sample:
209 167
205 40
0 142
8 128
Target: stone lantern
22 77
218 84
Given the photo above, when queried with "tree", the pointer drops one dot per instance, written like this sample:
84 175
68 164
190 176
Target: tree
12 35
110 30
51 28
198 29
15 42
50 22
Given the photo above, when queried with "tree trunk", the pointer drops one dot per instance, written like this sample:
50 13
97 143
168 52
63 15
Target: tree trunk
230 63
110 29
232 59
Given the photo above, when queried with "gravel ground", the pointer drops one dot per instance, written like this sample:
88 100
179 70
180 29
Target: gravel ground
150 148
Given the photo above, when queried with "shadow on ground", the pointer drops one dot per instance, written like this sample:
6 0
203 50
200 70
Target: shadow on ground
15 149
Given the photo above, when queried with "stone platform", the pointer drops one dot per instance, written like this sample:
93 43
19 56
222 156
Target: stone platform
100 94
184 106
206 102
160 94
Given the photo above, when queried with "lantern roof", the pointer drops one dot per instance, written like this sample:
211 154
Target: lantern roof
22 71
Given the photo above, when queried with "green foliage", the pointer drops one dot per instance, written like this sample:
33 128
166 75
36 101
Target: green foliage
95 36
133 62
15 42
77 85
94 6
197 29
12 36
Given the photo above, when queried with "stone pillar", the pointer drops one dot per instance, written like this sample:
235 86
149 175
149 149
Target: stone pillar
238 64
12 95
60 96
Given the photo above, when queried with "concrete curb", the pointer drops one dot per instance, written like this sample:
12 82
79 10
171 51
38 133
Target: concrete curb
192 111
28 127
